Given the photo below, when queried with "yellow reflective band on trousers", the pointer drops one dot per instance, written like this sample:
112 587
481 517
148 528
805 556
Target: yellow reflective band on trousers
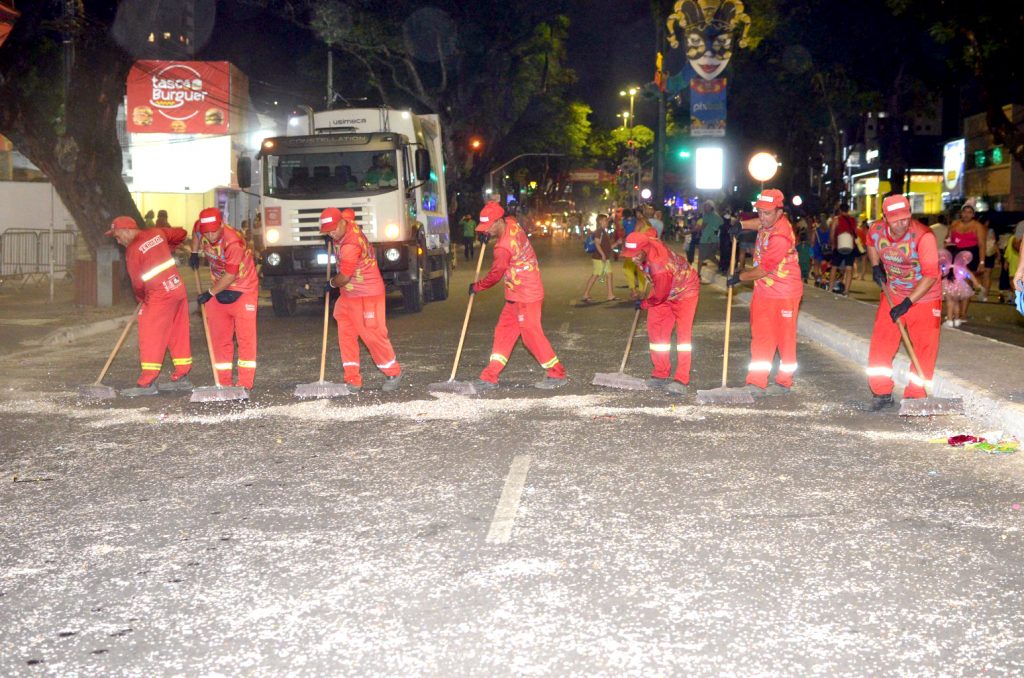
222 366
497 357
247 363
151 366
182 361
159 268
661 348
549 364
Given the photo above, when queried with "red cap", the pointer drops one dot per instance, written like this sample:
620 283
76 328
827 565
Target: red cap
210 220
491 212
332 217
126 223
770 199
896 208
636 242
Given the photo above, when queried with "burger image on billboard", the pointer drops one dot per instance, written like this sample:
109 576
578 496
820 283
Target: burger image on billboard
214 116
142 115
178 126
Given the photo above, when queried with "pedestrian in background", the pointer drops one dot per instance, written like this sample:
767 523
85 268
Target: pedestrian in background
904 259
821 248
468 236
843 240
148 219
776 300
600 259
991 250
967 234
711 226
161 220
1011 261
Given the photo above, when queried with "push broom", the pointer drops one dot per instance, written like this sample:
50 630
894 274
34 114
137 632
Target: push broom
929 405
97 390
323 389
725 395
452 386
207 394
618 379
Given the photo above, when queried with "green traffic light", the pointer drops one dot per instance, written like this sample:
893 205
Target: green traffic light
684 154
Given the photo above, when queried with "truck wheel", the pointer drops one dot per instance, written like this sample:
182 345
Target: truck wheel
413 294
439 286
283 303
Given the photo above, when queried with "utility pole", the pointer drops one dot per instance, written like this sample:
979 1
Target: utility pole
659 133
330 79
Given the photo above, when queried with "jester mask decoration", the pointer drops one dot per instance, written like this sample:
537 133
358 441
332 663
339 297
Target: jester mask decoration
709 27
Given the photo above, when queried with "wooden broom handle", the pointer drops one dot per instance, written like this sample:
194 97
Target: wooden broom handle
728 313
629 342
206 331
120 342
327 307
469 309
907 344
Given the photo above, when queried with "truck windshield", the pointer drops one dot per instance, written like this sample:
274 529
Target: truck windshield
332 174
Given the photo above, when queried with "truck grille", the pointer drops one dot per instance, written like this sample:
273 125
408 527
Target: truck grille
307 223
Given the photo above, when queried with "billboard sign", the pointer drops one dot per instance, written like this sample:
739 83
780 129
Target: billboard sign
707 107
953 156
179 97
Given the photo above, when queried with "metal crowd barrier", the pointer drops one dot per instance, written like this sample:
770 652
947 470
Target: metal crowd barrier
26 254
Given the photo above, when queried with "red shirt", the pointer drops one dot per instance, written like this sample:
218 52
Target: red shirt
151 265
775 252
230 254
358 261
907 260
515 259
671 277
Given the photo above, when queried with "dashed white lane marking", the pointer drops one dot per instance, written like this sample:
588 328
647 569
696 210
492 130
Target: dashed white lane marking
508 505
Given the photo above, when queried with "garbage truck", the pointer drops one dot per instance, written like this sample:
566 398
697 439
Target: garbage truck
387 166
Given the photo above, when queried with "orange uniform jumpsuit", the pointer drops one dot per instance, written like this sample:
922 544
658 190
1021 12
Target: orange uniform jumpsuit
671 303
360 309
906 262
163 317
515 259
232 316
775 305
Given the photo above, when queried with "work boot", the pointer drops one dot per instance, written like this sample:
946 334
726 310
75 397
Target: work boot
880 402
551 382
776 389
676 388
482 386
756 391
136 391
657 383
175 385
391 383
355 388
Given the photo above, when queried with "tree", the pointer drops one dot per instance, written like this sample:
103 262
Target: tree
70 134
985 45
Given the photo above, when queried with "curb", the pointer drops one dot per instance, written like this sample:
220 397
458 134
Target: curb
979 403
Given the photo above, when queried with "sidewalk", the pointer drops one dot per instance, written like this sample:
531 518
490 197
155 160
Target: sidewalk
988 374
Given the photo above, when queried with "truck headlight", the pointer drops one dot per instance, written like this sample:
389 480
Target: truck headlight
273 235
392 254
391 231
273 259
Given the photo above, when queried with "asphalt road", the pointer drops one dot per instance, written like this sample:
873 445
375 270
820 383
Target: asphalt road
583 531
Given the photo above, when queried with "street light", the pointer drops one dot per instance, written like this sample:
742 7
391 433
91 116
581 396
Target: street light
631 93
625 118
762 167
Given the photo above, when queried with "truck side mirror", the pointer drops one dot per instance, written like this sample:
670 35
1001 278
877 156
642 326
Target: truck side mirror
422 164
244 171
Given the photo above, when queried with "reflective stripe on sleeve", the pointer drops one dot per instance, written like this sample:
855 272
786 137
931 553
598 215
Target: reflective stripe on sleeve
159 268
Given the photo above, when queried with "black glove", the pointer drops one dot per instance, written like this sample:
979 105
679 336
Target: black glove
638 304
327 241
328 287
735 230
203 298
193 261
472 289
878 275
483 237
733 280
899 309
